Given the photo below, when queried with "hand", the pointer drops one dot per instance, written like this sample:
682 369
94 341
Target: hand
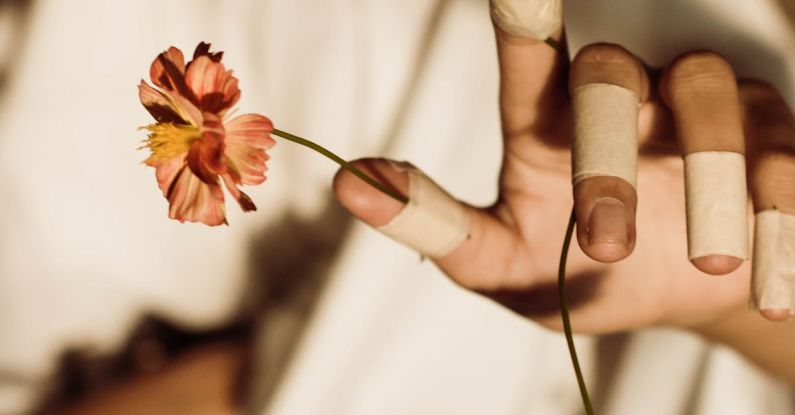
512 249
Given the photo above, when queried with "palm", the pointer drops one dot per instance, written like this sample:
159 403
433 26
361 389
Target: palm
656 284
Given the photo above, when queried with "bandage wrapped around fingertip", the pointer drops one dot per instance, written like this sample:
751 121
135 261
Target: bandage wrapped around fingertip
535 19
774 261
717 204
605 132
433 223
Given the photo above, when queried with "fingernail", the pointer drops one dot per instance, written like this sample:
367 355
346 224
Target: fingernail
608 223
777 314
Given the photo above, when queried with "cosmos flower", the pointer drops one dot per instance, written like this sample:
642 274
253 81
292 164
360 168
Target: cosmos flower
194 146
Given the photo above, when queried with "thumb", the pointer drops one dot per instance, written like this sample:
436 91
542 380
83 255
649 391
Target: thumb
364 201
465 242
431 222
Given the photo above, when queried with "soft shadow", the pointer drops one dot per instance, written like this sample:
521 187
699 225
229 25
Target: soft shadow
83 372
20 10
609 353
542 300
289 264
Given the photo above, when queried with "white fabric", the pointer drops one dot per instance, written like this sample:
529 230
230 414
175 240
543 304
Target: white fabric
754 35
86 247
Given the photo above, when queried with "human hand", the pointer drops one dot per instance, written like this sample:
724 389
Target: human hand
511 251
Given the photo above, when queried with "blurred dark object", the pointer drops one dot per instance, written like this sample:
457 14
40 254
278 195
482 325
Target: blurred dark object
14 17
151 349
296 255
788 6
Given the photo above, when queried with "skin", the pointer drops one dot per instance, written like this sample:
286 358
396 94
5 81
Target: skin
507 256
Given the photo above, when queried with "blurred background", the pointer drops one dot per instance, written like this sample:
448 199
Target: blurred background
107 306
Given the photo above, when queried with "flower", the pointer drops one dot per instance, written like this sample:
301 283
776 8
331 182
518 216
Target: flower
194 147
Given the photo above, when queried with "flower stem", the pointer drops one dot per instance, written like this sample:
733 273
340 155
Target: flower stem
344 164
564 314
564 306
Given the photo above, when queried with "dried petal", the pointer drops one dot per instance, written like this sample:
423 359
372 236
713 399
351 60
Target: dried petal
193 200
245 202
206 155
168 69
213 87
159 105
247 140
203 49
166 171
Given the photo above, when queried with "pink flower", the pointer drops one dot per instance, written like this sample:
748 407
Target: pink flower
193 146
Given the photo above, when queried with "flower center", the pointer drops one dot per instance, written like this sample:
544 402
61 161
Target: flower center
167 141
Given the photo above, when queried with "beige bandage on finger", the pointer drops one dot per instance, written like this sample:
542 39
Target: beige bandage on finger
717 204
536 19
605 132
774 261
432 222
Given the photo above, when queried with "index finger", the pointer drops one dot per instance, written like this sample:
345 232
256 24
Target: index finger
531 72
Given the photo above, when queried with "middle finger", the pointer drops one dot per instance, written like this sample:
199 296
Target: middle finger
701 90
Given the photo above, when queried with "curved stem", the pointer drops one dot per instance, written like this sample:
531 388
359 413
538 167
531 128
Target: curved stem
564 306
564 313
344 164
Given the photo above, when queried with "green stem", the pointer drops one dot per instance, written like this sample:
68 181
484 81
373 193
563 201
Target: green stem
344 164
564 306
564 313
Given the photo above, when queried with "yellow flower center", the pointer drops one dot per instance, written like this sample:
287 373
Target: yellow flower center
167 141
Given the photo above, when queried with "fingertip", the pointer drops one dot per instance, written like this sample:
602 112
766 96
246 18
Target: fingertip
608 233
363 200
537 20
776 314
605 208
607 252
607 63
717 264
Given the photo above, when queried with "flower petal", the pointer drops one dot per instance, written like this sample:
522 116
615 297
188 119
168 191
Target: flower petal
203 49
247 140
192 200
159 105
186 108
168 69
213 87
245 202
166 171
206 155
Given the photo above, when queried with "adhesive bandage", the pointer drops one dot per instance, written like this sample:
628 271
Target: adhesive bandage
537 19
717 204
605 132
774 261
433 222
